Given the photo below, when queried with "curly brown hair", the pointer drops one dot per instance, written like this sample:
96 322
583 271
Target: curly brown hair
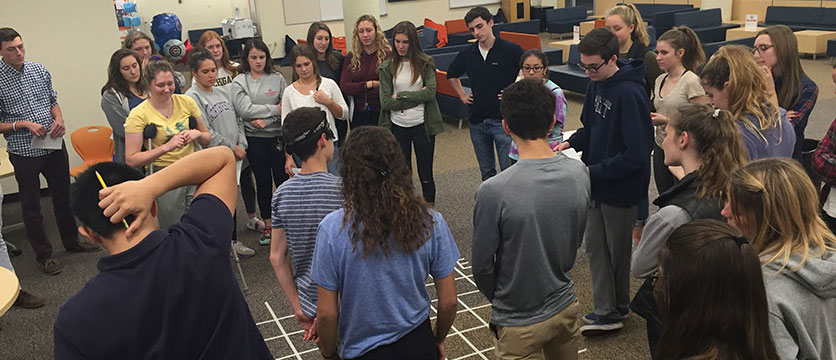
379 194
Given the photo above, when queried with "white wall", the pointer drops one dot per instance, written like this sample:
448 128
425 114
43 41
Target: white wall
74 40
273 28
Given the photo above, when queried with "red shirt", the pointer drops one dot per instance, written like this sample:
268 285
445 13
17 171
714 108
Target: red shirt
354 82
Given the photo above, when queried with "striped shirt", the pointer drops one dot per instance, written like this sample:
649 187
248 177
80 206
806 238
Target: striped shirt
26 95
299 204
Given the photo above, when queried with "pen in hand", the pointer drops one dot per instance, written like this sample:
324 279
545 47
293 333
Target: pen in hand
104 186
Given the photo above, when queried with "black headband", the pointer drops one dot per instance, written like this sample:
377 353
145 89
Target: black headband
740 240
307 133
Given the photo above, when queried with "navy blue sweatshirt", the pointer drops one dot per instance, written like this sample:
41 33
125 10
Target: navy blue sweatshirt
617 136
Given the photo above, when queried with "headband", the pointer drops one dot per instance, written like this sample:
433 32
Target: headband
305 134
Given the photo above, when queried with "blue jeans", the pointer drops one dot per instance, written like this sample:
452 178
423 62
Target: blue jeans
486 136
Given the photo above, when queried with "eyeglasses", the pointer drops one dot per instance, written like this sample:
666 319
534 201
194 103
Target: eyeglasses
592 68
535 68
761 48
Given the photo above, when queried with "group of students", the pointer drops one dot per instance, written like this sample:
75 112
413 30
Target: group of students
757 286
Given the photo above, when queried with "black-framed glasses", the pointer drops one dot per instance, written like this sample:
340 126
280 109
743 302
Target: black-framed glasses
761 48
535 68
592 68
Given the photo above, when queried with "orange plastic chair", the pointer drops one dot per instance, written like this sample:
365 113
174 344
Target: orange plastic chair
526 41
456 26
338 42
94 144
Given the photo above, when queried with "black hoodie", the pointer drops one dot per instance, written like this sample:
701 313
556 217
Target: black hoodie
617 136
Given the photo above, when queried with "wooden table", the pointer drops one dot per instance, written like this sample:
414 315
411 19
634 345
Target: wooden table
587 26
9 289
563 45
741 33
813 41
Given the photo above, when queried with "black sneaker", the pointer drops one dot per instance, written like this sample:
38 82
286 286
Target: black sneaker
83 246
28 301
51 266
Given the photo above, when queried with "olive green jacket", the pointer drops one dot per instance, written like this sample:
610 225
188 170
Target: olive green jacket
433 123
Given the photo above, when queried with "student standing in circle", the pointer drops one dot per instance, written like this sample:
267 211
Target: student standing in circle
312 90
256 95
391 235
734 82
122 92
170 114
360 78
408 105
535 65
711 296
777 49
705 143
774 204
224 125
680 54
330 62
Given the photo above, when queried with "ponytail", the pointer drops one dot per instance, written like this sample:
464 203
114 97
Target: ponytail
631 16
717 143
682 37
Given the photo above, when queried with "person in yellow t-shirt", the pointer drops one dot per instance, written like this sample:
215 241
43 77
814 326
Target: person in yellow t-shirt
169 113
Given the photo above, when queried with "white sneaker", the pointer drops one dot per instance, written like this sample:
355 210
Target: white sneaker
242 249
255 224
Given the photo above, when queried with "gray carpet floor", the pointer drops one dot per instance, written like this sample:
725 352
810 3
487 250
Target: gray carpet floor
27 334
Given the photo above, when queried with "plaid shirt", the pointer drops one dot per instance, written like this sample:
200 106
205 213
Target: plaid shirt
805 101
26 95
824 159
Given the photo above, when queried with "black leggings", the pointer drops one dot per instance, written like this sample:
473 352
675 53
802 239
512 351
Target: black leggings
418 344
364 118
248 189
267 162
424 146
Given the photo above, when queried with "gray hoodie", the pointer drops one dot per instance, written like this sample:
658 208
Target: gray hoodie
116 110
259 99
219 116
802 307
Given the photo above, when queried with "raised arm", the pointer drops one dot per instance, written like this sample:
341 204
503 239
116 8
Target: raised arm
212 170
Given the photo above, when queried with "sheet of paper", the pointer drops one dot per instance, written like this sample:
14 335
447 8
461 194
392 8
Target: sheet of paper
751 23
238 171
47 142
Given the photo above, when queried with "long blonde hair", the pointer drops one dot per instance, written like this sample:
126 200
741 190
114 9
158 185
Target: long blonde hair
631 16
748 91
776 199
383 48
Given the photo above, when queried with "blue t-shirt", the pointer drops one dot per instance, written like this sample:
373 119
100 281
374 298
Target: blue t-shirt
298 206
172 296
134 100
780 139
381 298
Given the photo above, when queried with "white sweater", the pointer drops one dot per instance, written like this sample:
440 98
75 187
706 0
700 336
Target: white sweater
293 99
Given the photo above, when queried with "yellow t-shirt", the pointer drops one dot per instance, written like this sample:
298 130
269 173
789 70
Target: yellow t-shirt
144 114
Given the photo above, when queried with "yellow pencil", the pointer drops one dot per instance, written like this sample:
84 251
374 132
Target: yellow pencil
104 186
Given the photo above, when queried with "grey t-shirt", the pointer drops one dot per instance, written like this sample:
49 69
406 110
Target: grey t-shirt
527 225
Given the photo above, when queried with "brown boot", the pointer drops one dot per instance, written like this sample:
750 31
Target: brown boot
28 301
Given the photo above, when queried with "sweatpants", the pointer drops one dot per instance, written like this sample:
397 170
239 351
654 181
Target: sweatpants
608 239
